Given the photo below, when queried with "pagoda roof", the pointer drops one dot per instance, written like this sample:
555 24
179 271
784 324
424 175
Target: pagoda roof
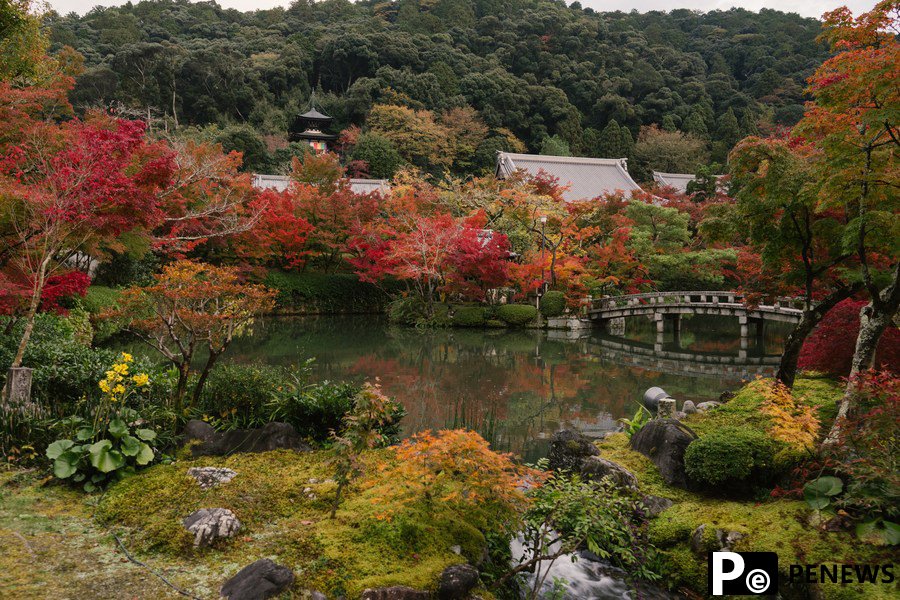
314 115
315 134
586 178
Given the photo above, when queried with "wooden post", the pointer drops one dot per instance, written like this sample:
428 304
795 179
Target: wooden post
666 408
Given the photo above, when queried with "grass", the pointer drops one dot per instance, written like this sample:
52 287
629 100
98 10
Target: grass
788 527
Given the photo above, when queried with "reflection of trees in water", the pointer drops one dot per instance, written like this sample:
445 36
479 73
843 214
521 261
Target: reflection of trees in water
514 387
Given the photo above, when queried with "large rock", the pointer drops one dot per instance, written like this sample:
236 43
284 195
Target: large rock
596 468
705 406
688 407
210 525
655 505
568 449
397 592
210 477
258 581
272 436
705 539
664 441
457 581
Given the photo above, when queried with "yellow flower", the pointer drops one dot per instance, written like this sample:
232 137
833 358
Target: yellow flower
121 369
104 386
119 389
127 357
141 380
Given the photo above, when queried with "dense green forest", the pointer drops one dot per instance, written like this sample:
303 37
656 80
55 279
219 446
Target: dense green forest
495 74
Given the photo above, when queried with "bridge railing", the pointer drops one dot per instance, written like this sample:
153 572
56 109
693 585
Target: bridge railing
786 304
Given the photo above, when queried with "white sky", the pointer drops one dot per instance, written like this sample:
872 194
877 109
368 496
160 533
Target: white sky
807 8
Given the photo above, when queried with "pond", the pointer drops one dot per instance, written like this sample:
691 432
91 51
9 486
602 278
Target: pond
518 387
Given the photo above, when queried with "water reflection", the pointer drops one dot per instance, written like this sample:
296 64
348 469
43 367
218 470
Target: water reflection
515 387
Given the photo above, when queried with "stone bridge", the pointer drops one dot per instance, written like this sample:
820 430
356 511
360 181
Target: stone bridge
670 306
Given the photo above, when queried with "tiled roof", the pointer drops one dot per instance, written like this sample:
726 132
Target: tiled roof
677 181
282 182
586 178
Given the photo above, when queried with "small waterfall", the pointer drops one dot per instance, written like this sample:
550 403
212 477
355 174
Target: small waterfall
584 576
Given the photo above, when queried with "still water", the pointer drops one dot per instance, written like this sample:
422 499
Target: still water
516 387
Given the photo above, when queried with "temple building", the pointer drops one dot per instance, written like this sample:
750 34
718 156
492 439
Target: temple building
311 127
280 183
585 178
677 181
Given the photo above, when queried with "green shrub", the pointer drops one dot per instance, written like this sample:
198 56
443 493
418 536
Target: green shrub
327 293
517 315
495 324
553 304
316 410
236 396
734 458
100 298
468 316
65 368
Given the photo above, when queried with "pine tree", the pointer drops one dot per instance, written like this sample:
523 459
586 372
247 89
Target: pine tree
668 123
695 125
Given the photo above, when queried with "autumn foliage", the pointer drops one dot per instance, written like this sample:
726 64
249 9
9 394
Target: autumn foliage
829 348
455 468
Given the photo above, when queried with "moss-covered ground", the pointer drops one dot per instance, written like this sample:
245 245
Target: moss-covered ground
58 543
786 526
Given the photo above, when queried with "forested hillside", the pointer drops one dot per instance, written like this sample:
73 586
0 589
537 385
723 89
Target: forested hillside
471 76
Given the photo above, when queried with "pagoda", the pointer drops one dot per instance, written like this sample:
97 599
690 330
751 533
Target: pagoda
311 127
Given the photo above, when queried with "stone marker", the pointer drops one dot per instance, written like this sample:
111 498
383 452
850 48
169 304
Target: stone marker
457 581
665 408
17 390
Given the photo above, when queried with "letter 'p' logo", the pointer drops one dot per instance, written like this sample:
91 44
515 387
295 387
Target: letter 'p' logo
742 573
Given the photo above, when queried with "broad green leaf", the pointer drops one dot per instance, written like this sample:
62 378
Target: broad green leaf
118 428
85 433
146 434
130 445
63 468
89 487
818 493
145 456
55 449
104 458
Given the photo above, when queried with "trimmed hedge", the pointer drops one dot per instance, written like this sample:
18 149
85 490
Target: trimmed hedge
553 303
468 316
731 458
310 293
100 298
517 315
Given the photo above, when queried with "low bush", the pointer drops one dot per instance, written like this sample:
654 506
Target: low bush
100 298
732 459
468 316
553 303
237 396
517 315
310 293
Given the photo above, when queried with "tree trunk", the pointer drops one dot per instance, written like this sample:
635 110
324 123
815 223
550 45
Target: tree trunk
184 370
875 318
210 362
812 316
36 293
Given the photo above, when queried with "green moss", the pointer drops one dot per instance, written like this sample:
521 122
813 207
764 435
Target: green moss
782 526
744 409
362 547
